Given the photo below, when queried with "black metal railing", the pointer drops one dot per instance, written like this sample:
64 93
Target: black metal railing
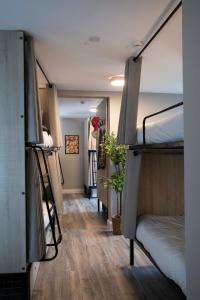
162 148
155 114
50 201
61 171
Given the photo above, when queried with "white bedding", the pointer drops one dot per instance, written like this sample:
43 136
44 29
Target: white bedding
163 238
168 128
47 140
45 215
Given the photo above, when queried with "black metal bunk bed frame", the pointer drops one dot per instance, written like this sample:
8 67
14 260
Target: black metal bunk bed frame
53 217
61 171
164 148
50 203
92 156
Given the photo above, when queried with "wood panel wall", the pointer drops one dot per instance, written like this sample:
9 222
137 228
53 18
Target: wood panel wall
161 190
12 154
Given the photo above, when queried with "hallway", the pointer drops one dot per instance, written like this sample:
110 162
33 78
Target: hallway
94 264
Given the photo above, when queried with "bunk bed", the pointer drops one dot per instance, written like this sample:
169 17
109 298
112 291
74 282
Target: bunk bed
155 147
165 132
161 237
26 152
168 128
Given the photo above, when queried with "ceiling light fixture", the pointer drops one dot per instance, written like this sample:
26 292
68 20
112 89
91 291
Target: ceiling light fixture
117 80
94 39
94 110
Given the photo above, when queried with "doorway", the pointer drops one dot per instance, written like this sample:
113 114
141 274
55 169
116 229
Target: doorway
82 121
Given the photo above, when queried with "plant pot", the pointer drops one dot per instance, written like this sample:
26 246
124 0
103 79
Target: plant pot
116 223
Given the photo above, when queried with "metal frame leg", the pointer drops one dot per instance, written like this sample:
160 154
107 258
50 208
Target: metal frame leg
131 252
98 205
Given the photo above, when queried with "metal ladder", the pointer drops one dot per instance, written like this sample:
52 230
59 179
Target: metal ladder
50 203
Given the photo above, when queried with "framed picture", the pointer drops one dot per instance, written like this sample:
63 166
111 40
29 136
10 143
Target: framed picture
71 144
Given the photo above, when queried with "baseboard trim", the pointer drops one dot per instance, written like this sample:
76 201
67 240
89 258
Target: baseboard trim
73 191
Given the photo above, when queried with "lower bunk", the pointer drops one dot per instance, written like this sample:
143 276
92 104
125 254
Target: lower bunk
162 239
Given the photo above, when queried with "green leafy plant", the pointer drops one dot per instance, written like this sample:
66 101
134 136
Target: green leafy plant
117 155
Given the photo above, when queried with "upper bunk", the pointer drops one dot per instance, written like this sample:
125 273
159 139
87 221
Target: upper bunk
161 130
167 129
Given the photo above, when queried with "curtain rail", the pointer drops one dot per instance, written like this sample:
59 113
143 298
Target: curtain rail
43 72
157 32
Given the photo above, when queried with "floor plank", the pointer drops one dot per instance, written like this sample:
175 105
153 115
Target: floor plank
93 264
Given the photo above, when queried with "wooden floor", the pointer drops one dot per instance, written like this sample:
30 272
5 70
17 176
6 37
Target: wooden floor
93 264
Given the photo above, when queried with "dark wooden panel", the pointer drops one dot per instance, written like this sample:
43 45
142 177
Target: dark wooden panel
161 185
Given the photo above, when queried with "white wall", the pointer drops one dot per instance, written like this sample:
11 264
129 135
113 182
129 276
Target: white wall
191 83
72 164
115 105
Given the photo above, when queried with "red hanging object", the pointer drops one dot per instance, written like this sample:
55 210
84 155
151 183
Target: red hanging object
95 122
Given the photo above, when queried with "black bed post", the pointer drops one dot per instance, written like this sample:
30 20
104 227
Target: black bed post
131 252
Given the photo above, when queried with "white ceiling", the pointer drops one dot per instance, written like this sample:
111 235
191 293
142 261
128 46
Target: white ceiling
72 107
62 29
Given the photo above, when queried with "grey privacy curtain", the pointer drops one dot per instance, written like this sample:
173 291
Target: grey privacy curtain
54 117
130 195
129 106
32 106
127 134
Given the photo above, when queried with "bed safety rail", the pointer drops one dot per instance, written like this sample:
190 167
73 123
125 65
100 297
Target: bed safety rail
155 114
161 148
50 203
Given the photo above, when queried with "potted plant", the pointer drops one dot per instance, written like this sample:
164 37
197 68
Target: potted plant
117 155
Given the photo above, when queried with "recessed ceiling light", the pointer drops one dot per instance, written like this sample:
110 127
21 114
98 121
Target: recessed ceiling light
93 109
117 80
94 39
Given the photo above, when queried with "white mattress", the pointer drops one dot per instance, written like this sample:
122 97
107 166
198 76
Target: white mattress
168 128
163 238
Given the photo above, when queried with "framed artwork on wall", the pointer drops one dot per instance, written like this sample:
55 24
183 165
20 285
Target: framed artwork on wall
71 144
